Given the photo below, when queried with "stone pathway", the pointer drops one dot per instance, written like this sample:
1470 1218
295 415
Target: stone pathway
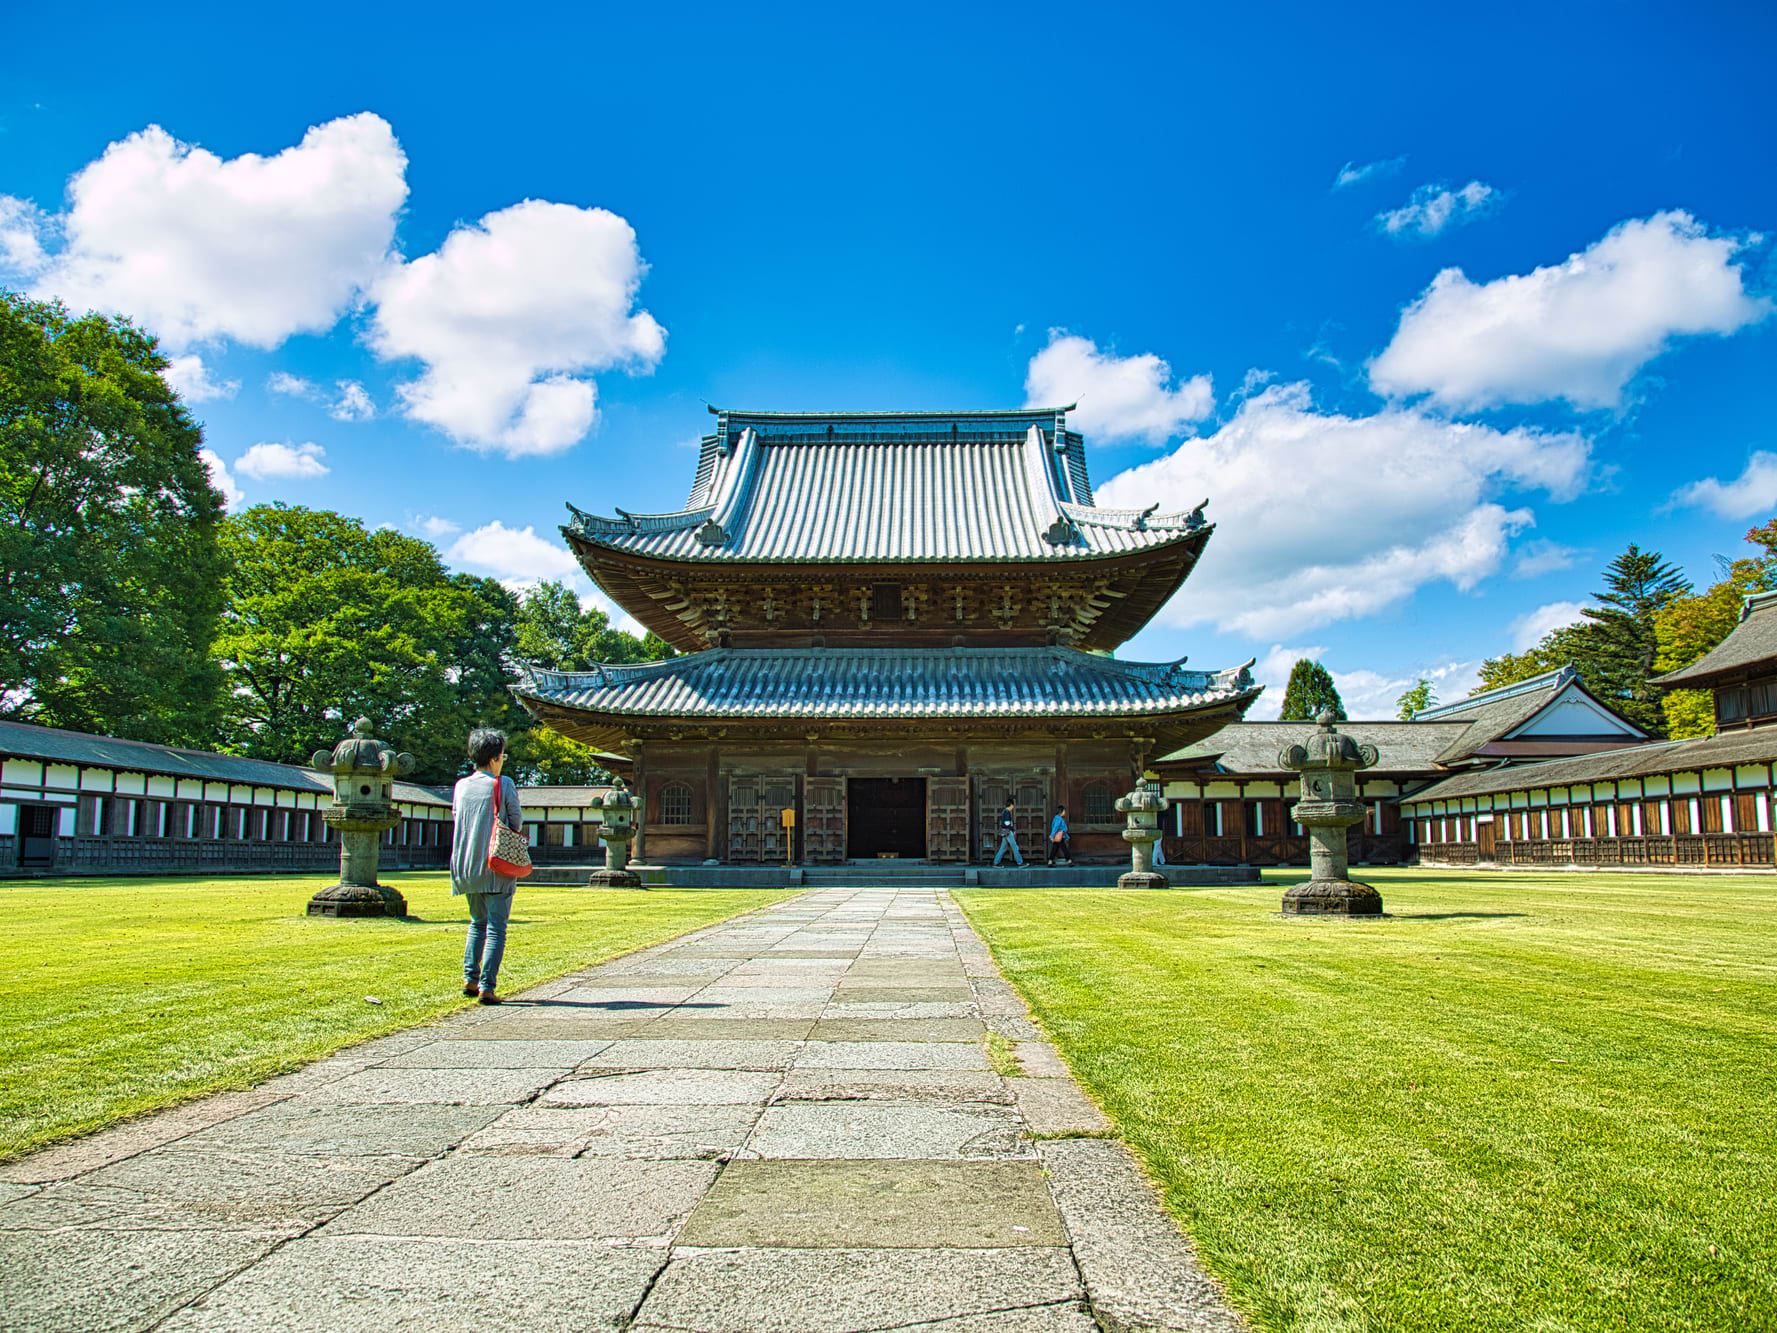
786 1122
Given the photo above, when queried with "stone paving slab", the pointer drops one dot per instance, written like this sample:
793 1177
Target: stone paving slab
906 1204
1143 1273
901 995
490 1197
556 1024
473 1054
341 1285
890 1055
905 1029
692 1025
166 1190
916 1085
80 1281
1057 1106
381 1086
665 1087
650 1133
688 1054
310 1127
856 1129
846 1008
858 1291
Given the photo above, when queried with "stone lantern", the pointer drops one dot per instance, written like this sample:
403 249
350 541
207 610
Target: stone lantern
1329 805
364 772
1141 810
616 832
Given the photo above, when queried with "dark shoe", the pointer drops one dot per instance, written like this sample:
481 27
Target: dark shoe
471 989
488 997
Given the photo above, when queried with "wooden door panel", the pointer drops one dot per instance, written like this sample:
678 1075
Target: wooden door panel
743 819
824 807
947 819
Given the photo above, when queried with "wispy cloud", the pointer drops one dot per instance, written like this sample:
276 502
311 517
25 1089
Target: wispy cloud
1754 491
1354 173
1431 209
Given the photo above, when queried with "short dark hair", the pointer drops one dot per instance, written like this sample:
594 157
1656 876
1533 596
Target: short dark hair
1011 801
1061 809
485 746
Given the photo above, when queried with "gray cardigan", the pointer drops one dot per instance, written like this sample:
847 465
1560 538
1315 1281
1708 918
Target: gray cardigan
472 806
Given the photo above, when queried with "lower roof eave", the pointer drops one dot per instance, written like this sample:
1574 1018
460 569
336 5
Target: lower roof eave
619 733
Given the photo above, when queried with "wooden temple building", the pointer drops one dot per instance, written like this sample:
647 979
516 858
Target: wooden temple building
891 623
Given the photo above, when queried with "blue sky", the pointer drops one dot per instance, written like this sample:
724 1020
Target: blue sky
1439 310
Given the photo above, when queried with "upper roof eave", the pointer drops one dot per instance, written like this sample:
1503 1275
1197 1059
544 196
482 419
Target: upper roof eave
977 414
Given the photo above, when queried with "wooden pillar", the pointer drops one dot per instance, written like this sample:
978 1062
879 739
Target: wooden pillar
714 807
642 811
1240 810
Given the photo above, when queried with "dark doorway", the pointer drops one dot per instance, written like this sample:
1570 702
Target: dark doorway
886 817
37 835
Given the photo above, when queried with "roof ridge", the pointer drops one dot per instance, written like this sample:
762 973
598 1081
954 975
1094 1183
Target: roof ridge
1500 693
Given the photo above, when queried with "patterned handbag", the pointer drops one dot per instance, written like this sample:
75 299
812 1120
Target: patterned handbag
508 852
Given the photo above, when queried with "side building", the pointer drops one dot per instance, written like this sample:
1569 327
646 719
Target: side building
73 804
1231 795
1704 802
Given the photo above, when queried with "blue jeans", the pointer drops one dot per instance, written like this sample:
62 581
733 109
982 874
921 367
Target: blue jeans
487 938
1009 843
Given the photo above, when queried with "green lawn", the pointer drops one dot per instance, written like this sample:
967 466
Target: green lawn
121 995
1524 1102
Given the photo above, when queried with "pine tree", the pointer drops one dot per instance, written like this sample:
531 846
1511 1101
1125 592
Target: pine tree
1624 645
1311 690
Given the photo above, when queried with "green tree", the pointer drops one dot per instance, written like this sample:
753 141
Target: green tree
1689 627
1415 699
1309 691
110 565
1638 585
555 631
1615 646
326 620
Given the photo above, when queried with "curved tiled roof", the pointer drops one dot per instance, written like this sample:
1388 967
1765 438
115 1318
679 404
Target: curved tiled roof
886 683
889 488
1751 643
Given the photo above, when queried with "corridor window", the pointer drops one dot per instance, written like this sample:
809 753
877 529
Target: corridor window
1096 804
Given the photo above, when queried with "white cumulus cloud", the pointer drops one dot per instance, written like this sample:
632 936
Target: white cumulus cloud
220 478
1431 208
190 379
1578 330
353 402
22 228
1366 694
283 462
518 554
291 386
1754 491
1532 627
433 526
196 247
1326 517
509 317
1119 397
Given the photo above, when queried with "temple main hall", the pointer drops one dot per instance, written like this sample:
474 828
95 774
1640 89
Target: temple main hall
890 624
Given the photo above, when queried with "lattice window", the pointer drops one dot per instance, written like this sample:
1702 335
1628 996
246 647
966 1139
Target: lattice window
1098 808
675 803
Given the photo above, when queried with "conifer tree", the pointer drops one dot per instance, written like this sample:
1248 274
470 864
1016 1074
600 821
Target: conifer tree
1415 699
1311 690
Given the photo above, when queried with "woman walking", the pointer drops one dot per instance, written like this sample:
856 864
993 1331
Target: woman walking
479 799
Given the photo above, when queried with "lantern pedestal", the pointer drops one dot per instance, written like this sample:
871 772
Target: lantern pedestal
1141 810
1329 763
616 831
363 771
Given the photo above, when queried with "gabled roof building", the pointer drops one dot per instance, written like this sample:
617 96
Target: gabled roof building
892 624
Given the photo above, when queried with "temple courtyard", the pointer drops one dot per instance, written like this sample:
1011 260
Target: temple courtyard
1520 1100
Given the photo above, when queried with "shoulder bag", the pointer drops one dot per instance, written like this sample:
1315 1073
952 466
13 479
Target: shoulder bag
508 853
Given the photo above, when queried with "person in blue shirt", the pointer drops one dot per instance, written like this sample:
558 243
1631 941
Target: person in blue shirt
1061 844
1009 835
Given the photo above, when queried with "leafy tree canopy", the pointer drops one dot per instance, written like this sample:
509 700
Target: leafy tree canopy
1415 699
1310 690
555 630
110 564
1688 627
326 620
